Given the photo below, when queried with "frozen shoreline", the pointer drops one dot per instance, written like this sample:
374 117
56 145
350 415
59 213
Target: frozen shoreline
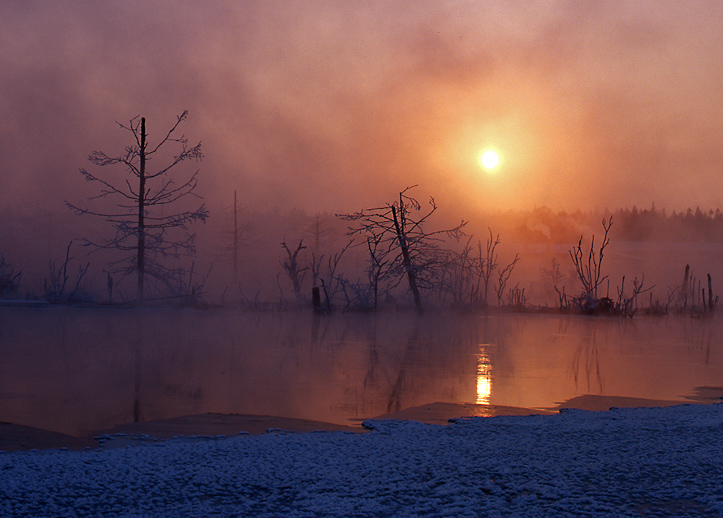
16 437
624 462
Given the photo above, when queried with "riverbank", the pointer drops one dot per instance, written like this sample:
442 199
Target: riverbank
15 437
622 462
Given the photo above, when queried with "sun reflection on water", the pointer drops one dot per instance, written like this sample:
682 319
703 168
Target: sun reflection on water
484 377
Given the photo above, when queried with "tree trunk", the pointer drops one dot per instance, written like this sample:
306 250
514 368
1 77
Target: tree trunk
235 241
683 294
407 261
141 257
711 303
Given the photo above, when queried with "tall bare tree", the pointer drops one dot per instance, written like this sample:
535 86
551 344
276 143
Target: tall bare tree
143 225
235 238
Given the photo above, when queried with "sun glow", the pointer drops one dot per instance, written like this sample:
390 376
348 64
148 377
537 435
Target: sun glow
489 159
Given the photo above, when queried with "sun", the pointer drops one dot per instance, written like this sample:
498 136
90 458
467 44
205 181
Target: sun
489 159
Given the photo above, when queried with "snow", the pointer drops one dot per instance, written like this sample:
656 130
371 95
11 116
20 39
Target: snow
624 462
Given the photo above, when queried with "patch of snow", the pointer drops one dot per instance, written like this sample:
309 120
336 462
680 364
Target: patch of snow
625 462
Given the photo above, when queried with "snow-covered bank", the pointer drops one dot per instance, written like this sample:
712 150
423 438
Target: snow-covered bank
625 462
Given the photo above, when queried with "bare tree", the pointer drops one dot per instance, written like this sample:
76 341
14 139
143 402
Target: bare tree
186 287
468 274
235 237
553 277
142 223
317 229
57 289
490 262
401 243
366 294
503 277
378 263
461 277
329 280
683 292
626 304
293 270
516 297
9 279
590 271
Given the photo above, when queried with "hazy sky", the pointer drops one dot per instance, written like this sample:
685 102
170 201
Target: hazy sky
337 105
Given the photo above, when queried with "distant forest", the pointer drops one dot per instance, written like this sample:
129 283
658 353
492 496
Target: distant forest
542 225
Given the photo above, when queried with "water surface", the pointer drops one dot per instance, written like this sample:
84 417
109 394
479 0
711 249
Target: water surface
77 370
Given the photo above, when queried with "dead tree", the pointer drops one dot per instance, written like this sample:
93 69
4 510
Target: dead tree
626 305
471 275
365 294
401 242
9 279
683 292
235 237
375 270
462 276
556 278
711 301
186 287
590 271
144 226
516 297
293 270
503 277
328 279
56 287
317 230
490 262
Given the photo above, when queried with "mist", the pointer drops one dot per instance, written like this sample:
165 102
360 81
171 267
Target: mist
328 107
323 120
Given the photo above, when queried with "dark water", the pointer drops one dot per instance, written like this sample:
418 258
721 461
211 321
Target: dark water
80 370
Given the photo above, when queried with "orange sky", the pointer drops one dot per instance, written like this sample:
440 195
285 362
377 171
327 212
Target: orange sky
337 105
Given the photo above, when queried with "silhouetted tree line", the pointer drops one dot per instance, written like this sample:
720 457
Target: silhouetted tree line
543 225
361 260
653 224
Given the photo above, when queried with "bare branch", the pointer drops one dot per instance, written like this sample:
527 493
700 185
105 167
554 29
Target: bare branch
590 272
148 235
400 246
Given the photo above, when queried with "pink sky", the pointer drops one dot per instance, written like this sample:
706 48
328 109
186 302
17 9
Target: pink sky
336 105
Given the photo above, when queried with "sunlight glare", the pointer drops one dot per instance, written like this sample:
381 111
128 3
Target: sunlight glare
489 159
484 379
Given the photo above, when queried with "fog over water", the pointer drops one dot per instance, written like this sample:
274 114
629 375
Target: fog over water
78 371
327 107
307 110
